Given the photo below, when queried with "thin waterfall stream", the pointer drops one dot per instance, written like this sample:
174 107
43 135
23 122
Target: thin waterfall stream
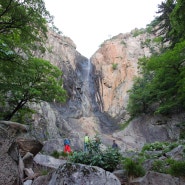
89 104
86 98
83 102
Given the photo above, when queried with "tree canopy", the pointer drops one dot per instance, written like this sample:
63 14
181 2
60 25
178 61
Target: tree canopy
162 85
23 77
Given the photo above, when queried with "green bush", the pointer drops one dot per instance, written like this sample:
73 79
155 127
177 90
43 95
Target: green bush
64 154
114 66
44 172
177 168
55 154
80 157
110 159
133 167
159 166
155 146
107 159
137 32
123 42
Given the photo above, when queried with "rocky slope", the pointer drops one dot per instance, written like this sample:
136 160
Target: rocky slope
98 95
97 100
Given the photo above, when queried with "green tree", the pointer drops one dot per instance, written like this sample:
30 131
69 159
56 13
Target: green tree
138 100
164 26
23 26
161 88
164 92
168 69
170 22
24 78
177 18
34 81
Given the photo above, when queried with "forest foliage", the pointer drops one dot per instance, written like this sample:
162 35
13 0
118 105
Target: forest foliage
24 78
161 87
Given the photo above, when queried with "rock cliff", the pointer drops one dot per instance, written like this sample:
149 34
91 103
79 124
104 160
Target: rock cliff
61 52
98 95
116 65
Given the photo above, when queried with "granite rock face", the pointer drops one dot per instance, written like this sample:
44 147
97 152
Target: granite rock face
15 152
78 174
148 129
9 154
98 95
116 65
154 178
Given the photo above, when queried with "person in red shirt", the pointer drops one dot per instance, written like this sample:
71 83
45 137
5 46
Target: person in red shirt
67 147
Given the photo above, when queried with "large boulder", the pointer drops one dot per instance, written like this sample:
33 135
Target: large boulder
149 129
29 144
9 154
16 152
48 162
177 153
41 180
78 174
154 178
52 145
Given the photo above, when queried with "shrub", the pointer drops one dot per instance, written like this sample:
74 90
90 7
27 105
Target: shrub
123 42
114 66
137 32
64 154
111 158
133 167
107 159
177 168
155 146
44 172
159 166
55 154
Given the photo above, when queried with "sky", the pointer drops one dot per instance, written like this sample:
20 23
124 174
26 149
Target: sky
90 22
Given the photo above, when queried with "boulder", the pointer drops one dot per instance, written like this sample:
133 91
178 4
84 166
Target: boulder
52 145
177 153
16 151
78 174
122 176
47 161
10 173
29 145
41 180
154 178
28 182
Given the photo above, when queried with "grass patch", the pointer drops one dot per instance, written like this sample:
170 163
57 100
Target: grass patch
125 124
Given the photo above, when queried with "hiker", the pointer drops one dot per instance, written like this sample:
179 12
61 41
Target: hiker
67 147
86 142
114 145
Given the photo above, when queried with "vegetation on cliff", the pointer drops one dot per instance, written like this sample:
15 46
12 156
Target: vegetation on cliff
24 78
162 85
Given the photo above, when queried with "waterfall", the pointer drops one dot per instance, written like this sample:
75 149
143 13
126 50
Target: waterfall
89 104
88 70
88 78
86 99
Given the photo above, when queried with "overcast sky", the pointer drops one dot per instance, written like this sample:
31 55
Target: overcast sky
89 22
